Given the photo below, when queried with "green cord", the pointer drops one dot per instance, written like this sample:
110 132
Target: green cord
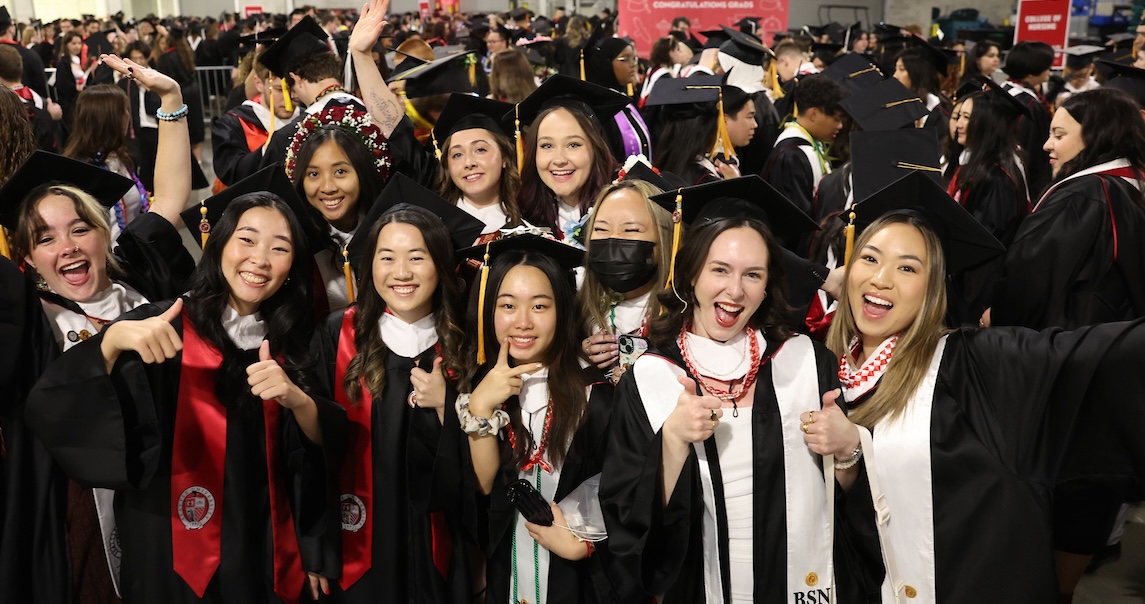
536 557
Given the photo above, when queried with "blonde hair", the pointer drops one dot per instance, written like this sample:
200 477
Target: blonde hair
594 296
87 208
915 346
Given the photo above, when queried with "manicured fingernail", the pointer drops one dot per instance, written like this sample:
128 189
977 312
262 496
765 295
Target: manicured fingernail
614 348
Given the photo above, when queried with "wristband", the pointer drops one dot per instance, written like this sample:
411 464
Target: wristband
174 116
847 464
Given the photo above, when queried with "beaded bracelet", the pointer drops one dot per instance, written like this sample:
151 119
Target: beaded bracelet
474 424
847 464
174 116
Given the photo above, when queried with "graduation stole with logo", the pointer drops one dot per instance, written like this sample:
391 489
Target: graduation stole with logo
356 482
198 459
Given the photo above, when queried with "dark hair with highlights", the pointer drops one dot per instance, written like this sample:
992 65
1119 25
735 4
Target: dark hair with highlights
1111 127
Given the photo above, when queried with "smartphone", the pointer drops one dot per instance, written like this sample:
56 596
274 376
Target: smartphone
530 503
630 348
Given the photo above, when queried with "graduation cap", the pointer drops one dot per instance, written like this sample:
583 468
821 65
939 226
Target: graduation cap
836 32
466 112
743 197
1082 56
5 16
965 243
880 158
853 72
815 31
269 36
639 170
694 94
1128 79
440 76
305 39
1002 98
887 105
826 48
519 14
402 191
886 30
714 38
745 47
270 179
1122 38
524 239
748 25
1124 56
43 168
937 57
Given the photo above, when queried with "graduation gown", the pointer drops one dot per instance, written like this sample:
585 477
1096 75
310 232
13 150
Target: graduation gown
595 579
237 138
670 547
1075 259
35 564
968 468
999 203
117 431
1031 131
418 470
143 139
795 169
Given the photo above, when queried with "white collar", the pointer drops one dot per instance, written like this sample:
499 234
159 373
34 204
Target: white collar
720 360
630 313
247 332
321 103
113 301
932 101
408 339
492 215
964 157
343 237
534 390
1115 164
263 115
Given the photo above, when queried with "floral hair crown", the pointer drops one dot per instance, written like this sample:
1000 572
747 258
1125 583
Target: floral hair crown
348 117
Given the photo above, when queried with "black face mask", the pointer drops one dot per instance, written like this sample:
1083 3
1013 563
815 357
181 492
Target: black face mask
622 265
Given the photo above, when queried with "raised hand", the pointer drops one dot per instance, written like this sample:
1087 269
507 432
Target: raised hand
269 381
601 349
149 79
695 417
371 22
153 338
499 384
429 386
827 431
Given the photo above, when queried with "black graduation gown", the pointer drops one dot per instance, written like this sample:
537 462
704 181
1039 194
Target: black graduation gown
275 152
1060 269
663 544
171 65
233 159
791 174
35 565
33 76
754 156
596 579
998 203
938 120
1031 131
116 431
418 469
1005 403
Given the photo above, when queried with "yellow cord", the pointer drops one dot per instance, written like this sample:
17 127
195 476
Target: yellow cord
849 232
481 308
349 273
286 102
4 249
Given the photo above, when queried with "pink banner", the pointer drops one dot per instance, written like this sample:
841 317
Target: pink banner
647 20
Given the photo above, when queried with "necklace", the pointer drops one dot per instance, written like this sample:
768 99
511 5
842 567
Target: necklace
538 458
732 394
331 89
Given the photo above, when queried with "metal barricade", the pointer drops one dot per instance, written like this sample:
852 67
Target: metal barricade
214 86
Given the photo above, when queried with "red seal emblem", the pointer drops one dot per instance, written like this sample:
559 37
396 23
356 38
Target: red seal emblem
195 507
353 513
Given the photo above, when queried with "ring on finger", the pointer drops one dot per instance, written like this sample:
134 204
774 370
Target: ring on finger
804 428
713 417
810 417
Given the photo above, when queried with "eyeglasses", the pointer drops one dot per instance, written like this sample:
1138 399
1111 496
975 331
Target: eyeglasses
629 60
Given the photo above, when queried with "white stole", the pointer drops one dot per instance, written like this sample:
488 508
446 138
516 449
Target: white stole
808 150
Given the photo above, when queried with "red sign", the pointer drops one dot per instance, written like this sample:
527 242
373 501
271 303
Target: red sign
645 21
1044 21
252 9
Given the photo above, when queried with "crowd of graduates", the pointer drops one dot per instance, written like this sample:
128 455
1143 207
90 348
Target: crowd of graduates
491 308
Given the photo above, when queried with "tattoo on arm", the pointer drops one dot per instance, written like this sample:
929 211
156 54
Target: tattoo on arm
390 116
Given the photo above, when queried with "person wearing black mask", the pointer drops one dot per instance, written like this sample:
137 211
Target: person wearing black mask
627 262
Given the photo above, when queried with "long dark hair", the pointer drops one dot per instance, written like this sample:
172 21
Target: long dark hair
289 313
98 129
679 303
684 137
1111 128
369 185
923 76
369 363
980 50
990 139
537 202
566 378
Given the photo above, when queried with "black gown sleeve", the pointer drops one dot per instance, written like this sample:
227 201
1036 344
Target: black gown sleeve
154 258
275 152
232 160
790 173
998 205
14 318
411 157
651 540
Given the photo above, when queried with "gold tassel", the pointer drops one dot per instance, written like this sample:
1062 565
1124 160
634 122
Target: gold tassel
4 249
349 273
520 139
723 139
849 233
962 64
773 81
286 102
677 233
271 97
204 224
472 71
582 78
481 308
436 149
631 91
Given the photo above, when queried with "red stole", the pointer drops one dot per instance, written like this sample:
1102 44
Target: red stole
197 469
356 482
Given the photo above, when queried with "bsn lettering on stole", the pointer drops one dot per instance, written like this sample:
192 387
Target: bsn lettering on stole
813 596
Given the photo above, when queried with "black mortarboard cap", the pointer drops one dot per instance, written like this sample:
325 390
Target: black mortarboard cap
440 76
1128 79
965 243
886 30
699 89
269 36
968 87
853 72
567 256
887 105
745 47
305 39
402 190
835 31
519 13
828 48
1124 56
748 25
43 168
1002 98
271 179
880 158
560 90
1121 38
665 181
465 111
815 30
743 197
714 38
1082 56
934 55
5 16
